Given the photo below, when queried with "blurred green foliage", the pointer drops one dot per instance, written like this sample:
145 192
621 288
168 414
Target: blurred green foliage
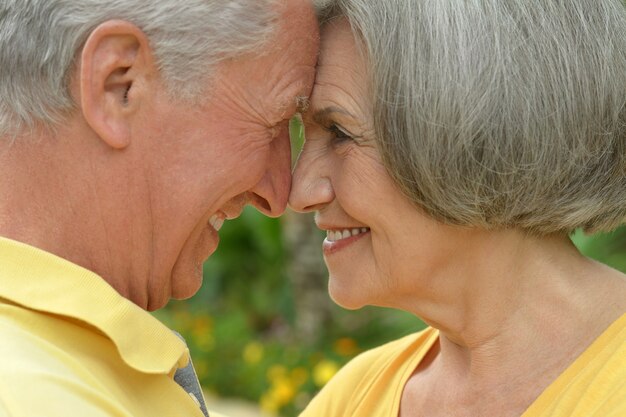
608 248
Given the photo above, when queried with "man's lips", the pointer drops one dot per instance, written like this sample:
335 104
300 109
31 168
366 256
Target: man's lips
228 212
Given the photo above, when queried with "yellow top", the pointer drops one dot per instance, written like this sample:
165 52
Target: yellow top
70 345
371 385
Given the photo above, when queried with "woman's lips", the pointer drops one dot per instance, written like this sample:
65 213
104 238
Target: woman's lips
337 239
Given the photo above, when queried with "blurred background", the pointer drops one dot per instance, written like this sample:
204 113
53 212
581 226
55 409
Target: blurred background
262 328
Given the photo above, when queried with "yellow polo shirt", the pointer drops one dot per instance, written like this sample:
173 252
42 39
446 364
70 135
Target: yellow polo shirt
371 385
70 345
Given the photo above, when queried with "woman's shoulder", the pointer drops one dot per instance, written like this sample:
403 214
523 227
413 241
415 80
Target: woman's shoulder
368 373
397 351
594 385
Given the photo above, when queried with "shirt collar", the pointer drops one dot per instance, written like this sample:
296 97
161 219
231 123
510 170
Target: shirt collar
44 282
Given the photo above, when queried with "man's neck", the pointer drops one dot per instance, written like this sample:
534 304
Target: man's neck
55 197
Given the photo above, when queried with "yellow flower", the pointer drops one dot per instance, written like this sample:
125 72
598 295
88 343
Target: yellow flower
202 333
275 372
280 394
269 404
283 391
324 371
253 353
201 326
299 376
346 346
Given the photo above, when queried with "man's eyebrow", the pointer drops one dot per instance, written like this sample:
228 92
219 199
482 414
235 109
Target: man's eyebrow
322 116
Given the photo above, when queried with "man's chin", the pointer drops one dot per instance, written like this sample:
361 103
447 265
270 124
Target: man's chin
186 275
183 295
155 306
185 286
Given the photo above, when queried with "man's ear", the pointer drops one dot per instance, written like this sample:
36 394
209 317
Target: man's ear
114 63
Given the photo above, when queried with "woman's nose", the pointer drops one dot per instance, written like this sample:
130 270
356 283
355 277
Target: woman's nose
311 187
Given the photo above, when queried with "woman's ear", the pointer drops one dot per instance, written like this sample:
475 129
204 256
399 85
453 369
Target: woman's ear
115 60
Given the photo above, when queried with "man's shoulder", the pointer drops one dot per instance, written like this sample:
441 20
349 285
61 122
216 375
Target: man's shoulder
39 347
36 376
28 340
55 366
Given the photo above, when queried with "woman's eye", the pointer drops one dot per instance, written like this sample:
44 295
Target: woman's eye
339 135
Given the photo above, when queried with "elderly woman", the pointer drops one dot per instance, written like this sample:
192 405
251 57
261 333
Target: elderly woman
451 148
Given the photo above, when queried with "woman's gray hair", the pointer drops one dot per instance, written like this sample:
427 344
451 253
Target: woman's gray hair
39 40
500 113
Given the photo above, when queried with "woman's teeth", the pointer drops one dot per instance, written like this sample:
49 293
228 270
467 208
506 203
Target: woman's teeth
335 235
216 222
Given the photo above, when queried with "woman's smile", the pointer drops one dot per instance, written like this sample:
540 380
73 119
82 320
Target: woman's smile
337 239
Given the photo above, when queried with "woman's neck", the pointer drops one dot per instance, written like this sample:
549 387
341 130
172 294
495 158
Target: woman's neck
532 303
512 324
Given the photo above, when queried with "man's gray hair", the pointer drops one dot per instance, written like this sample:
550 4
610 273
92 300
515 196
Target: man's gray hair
500 113
39 40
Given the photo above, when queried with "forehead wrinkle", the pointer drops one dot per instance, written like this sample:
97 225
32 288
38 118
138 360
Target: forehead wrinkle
293 86
287 108
298 104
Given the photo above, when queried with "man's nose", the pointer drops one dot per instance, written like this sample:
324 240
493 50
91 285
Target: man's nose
270 194
311 187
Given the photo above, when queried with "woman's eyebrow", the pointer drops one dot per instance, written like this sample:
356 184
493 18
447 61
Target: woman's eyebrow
323 115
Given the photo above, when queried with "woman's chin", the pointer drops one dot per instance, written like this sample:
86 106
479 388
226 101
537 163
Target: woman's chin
345 297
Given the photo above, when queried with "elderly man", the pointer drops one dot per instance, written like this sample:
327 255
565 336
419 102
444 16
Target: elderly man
129 131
